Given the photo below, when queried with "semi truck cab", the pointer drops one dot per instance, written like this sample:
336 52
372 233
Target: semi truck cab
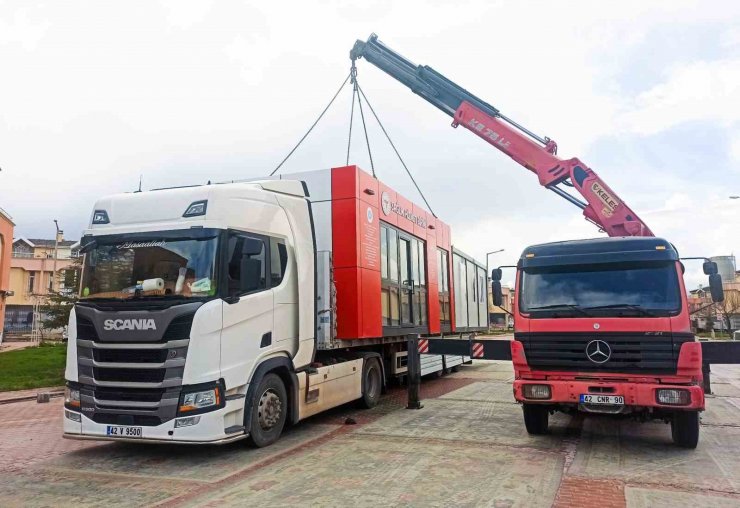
213 313
602 326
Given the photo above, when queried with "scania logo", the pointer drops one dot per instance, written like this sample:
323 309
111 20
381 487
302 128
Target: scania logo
598 351
129 324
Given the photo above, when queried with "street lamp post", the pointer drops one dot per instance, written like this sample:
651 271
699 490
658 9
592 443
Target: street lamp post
56 249
488 271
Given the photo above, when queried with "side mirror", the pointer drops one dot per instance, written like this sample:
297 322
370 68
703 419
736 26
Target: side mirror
496 293
710 268
250 272
496 274
715 285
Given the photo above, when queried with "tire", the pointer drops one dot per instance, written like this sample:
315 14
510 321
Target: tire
535 418
269 411
685 429
372 383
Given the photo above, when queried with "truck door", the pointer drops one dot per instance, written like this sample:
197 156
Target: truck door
249 308
406 284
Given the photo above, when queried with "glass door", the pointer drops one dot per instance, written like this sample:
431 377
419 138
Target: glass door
406 281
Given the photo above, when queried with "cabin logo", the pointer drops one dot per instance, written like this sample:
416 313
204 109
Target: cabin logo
385 203
129 324
388 206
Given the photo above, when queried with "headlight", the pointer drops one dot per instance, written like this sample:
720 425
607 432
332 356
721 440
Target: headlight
674 396
540 392
71 398
201 401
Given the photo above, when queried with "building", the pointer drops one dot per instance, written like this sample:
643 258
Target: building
501 317
707 316
32 278
6 241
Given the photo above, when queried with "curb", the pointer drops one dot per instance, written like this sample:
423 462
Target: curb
55 393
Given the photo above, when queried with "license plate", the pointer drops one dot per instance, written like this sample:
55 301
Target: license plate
122 431
615 400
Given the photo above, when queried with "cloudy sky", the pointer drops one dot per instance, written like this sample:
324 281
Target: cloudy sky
95 94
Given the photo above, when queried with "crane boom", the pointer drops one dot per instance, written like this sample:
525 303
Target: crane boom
538 154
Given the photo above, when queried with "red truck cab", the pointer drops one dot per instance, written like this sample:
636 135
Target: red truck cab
602 326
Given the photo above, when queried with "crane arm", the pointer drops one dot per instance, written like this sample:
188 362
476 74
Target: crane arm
538 154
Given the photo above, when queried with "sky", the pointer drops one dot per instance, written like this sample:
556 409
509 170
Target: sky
96 94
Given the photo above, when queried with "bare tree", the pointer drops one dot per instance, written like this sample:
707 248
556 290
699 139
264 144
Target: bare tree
729 307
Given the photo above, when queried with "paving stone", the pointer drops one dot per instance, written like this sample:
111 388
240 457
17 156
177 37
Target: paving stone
483 392
644 454
201 463
723 390
357 471
459 420
722 411
484 375
638 497
64 488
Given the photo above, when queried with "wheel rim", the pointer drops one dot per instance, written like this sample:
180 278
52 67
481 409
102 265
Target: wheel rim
373 383
269 410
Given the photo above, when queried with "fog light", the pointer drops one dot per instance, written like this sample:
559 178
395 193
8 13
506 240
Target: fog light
674 397
537 392
75 417
187 422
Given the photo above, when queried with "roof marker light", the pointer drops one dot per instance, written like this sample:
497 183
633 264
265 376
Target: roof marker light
530 255
196 208
660 247
100 217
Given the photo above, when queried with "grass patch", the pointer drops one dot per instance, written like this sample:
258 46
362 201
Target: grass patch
33 367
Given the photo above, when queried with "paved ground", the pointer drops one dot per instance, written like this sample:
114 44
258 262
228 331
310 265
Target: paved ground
7 345
466 447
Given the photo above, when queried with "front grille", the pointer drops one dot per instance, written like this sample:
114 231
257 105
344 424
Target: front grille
179 328
86 329
649 354
129 394
130 355
106 395
129 375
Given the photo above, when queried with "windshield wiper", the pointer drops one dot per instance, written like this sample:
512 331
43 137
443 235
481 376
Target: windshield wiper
562 306
629 306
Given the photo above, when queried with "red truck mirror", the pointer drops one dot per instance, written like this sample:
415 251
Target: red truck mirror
715 287
710 268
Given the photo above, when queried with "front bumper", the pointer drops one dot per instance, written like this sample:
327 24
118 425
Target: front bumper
211 429
636 395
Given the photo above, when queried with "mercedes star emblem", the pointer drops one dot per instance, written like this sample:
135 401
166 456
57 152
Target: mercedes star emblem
598 351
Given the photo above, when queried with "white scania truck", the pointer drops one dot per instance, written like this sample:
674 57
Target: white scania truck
213 313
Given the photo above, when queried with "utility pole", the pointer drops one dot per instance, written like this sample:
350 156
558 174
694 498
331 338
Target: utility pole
488 281
56 249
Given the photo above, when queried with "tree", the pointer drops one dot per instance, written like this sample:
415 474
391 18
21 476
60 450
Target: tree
729 307
55 311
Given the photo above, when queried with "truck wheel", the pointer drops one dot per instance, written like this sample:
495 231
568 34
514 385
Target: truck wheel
372 383
269 409
535 418
685 428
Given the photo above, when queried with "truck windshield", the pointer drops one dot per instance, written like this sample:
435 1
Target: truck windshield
170 265
644 289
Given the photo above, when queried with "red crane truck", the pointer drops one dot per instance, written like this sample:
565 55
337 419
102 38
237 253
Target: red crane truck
601 326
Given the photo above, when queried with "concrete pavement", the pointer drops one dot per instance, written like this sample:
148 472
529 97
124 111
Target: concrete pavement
466 447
